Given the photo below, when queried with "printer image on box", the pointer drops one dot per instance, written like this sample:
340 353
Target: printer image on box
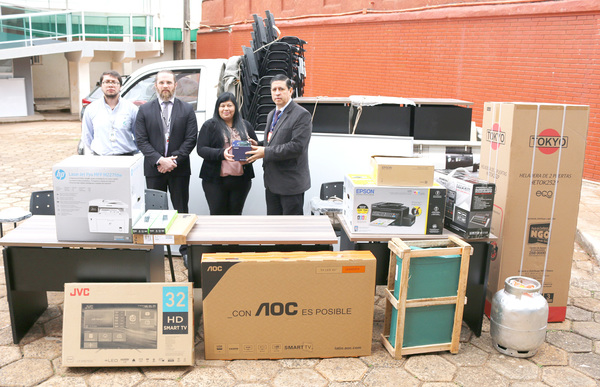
391 214
108 216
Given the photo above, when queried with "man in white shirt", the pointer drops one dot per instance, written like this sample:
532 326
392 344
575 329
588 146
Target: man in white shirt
109 123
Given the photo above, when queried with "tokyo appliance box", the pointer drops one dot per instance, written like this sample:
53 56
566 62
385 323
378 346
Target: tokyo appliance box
534 153
128 324
469 202
370 208
288 305
98 198
402 171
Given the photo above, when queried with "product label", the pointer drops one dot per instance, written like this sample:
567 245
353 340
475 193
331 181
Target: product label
539 233
175 310
548 141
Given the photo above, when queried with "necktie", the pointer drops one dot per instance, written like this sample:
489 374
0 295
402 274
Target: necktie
166 115
275 119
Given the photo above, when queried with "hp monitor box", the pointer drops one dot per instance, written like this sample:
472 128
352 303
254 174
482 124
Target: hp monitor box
534 153
371 208
98 198
469 203
288 305
128 325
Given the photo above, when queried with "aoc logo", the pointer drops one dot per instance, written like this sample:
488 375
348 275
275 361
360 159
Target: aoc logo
548 141
60 174
365 191
495 136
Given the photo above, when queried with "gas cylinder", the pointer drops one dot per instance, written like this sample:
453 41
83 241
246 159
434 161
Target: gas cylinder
519 317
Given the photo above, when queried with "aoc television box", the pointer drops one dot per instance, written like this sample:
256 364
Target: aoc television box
534 153
288 305
98 198
128 324
469 202
371 208
402 171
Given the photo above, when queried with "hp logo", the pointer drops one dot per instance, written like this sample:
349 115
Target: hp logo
60 174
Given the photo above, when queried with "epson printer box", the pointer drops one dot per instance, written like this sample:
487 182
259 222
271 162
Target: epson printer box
98 198
371 208
128 324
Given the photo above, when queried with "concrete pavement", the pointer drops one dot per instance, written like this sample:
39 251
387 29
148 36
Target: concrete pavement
570 355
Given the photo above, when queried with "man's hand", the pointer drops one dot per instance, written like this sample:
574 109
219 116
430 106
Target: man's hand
166 164
257 152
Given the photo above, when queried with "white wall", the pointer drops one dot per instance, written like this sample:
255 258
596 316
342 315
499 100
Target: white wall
51 78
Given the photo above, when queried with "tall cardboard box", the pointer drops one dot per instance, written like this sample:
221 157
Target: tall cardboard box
534 153
98 198
288 305
128 324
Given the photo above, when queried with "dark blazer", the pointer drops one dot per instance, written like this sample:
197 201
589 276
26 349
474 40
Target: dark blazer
211 148
151 140
286 155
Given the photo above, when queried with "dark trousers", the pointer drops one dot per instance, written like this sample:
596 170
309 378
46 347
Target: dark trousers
178 187
227 195
284 204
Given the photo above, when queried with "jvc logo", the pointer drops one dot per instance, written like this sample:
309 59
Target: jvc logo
80 292
277 309
215 268
544 194
60 174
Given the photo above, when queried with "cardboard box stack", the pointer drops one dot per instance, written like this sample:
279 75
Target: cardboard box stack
128 324
409 203
288 305
534 153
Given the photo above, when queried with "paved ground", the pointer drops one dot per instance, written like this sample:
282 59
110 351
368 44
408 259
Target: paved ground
569 357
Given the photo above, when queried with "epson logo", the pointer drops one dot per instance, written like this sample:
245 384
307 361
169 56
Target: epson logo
548 141
539 233
365 191
214 268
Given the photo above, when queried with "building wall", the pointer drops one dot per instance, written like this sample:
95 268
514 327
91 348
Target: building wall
538 52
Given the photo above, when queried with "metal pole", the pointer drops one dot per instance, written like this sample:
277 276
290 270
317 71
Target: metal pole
186 30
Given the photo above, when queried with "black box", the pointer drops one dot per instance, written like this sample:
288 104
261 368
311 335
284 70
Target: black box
441 122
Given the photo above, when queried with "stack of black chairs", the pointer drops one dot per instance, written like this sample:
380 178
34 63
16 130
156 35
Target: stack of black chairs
266 57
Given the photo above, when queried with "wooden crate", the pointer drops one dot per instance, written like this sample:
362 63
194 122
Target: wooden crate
431 248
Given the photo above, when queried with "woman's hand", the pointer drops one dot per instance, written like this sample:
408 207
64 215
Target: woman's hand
253 141
227 154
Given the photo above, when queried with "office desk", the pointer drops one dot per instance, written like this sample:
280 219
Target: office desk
35 262
479 264
213 234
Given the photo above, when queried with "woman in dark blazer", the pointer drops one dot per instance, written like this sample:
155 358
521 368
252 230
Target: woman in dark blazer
226 183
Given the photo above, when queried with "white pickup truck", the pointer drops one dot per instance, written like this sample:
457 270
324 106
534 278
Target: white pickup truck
331 155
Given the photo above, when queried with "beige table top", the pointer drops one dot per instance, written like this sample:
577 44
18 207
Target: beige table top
261 229
40 231
372 237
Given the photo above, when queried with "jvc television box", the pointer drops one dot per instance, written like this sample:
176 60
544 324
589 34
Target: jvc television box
469 202
288 305
371 208
98 198
128 324
534 153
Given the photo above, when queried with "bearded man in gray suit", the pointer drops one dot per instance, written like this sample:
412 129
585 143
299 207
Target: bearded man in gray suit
285 151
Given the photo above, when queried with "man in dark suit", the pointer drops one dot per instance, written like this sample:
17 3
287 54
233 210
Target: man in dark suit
165 131
285 151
